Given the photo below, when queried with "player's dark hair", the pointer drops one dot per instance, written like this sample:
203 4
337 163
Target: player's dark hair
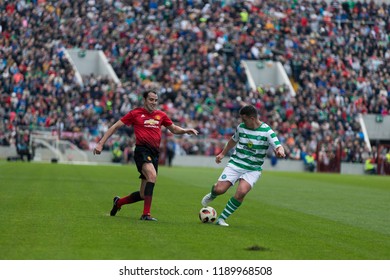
249 111
146 93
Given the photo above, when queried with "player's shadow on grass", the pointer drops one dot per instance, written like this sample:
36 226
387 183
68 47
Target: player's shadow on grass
257 248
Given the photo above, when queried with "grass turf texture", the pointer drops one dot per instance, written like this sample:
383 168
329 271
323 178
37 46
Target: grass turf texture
54 211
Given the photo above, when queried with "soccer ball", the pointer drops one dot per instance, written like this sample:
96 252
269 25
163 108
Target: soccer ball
207 214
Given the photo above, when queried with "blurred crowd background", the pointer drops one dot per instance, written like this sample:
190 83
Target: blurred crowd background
336 54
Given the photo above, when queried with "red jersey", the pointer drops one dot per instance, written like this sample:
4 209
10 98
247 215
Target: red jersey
147 126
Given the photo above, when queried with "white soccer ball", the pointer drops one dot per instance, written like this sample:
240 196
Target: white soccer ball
207 214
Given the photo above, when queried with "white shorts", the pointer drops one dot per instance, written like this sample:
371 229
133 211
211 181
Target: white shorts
232 174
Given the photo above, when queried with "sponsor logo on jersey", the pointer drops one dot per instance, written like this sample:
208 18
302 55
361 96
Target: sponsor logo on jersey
151 122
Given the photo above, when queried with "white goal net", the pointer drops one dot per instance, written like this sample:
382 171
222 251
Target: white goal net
48 147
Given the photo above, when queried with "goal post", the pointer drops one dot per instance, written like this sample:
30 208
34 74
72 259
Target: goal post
48 147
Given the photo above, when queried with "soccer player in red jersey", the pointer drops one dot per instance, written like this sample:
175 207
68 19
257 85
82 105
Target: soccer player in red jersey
147 122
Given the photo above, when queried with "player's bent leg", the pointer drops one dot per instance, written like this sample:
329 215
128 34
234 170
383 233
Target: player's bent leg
231 206
221 187
217 189
234 202
242 190
119 202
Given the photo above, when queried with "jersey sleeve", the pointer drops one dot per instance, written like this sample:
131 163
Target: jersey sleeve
128 119
273 139
236 135
166 121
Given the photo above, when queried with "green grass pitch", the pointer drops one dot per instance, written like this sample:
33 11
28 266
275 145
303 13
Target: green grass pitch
61 212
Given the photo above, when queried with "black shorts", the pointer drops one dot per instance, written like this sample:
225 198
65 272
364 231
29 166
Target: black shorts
143 155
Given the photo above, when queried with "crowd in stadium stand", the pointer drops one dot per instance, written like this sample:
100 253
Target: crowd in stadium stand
337 55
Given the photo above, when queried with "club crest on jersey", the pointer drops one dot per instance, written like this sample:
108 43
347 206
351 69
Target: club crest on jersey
158 117
149 158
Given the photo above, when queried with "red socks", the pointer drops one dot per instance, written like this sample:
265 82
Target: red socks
134 197
148 197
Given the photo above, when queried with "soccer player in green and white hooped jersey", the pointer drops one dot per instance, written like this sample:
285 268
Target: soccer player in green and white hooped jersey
251 141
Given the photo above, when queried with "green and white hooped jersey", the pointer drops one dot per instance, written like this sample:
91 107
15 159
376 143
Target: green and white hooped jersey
252 146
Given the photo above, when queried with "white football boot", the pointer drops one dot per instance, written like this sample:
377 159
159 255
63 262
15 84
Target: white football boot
207 199
221 222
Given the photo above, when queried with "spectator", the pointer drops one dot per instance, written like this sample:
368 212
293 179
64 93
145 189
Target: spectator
117 153
369 166
336 55
171 150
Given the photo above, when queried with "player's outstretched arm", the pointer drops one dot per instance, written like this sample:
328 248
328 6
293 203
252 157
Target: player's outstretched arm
175 129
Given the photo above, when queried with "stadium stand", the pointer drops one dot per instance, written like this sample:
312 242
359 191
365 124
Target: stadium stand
336 54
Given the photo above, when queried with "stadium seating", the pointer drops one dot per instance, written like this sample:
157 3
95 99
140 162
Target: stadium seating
336 55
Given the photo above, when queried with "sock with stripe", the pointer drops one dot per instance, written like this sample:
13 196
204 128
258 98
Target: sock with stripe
230 207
